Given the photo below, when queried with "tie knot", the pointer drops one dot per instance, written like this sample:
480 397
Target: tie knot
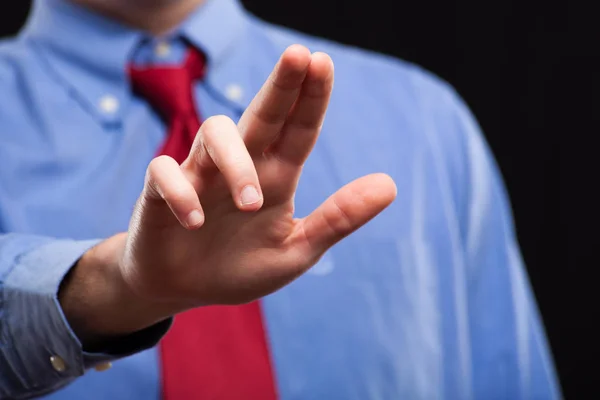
169 88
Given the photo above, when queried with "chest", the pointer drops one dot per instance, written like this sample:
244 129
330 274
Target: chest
372 318
369 321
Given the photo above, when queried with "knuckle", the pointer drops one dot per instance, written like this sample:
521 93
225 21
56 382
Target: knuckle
214 124
338 220
151 173
268 115
209 150
157 164
157 171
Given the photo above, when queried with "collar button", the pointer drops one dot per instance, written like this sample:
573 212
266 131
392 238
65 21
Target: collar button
108 104
234 92
162 49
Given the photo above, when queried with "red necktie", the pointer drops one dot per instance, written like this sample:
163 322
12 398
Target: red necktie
216 352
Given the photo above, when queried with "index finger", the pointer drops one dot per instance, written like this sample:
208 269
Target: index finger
262 121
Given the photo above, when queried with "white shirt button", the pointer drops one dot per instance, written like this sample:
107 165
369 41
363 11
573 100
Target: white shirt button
103 366
58 363
234 92
108 104
162 49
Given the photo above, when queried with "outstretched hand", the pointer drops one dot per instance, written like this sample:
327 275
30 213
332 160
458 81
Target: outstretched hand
219 229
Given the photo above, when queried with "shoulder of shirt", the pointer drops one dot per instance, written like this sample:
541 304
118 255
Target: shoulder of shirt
431 110
12 50
20 82
15 56
376 69
7 54
400 89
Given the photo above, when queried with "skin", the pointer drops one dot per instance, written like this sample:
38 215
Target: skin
154 16
197 236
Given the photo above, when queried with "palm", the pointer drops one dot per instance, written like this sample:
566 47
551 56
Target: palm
245 251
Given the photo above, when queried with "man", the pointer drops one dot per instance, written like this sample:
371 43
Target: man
429 300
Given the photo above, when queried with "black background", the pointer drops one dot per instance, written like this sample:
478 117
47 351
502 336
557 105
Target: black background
528 69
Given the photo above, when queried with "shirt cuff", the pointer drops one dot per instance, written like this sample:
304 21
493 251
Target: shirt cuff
39 352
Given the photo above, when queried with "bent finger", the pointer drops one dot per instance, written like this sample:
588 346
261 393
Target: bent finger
165 181
219 144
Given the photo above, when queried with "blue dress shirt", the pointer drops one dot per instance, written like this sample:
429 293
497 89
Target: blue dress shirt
430 300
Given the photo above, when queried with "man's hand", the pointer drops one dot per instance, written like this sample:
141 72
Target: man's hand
219 229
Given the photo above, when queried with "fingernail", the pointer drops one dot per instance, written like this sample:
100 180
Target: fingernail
249 195
194 219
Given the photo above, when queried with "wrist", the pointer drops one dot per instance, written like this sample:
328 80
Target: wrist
98 303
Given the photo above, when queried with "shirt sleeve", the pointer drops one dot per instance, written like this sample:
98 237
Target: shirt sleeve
39 352
510 356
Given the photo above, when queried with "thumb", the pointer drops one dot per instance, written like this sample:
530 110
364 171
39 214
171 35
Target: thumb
348 209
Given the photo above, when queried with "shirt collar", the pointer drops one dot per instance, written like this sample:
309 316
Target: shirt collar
89 53
214 28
